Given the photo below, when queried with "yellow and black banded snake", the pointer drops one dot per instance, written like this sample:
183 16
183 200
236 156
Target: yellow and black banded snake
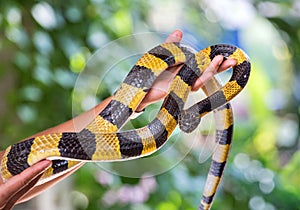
101 140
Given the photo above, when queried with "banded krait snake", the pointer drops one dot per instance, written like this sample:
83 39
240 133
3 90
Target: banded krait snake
101 141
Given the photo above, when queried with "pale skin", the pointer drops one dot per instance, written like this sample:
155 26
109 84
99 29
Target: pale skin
22 187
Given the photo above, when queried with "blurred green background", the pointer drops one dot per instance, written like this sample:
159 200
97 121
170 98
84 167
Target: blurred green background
44 46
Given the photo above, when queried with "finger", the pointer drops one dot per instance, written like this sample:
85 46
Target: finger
15 183
227 64
208 73
175 36
40 188
218 64
12 201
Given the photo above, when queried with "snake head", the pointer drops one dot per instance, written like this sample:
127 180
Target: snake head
189 120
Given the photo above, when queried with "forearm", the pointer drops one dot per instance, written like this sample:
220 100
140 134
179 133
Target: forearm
78 122
75 124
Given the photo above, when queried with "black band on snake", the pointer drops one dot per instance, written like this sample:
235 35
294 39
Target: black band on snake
101 141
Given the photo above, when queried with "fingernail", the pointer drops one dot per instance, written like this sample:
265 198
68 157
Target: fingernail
177 33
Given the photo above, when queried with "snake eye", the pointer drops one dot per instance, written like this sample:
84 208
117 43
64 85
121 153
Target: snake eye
188 121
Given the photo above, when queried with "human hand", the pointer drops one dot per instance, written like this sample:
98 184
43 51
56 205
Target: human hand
161 85
17 186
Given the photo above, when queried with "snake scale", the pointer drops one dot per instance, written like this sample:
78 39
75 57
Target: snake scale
101 139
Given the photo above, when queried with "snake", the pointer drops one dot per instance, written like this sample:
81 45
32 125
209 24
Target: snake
101 139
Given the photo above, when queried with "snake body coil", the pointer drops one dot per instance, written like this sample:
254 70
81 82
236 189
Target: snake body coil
101 141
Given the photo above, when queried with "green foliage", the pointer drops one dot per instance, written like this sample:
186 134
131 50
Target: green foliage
44 47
